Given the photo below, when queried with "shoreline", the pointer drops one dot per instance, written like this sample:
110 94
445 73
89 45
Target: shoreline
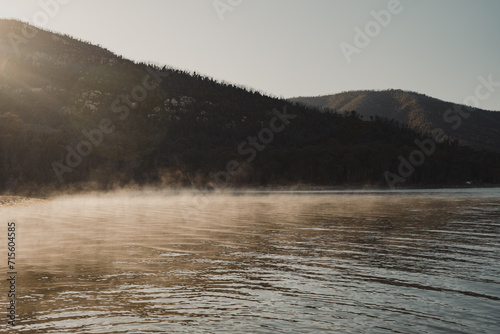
24 199
12 200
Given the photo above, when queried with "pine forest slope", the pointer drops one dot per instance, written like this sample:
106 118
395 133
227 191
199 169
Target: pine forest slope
74 115
480 130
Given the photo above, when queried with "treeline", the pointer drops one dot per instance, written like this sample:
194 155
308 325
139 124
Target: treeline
74 115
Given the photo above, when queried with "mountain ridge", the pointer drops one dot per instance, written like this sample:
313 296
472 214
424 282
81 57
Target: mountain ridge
76 116
420 112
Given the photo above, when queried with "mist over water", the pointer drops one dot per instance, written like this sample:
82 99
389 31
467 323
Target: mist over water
346 262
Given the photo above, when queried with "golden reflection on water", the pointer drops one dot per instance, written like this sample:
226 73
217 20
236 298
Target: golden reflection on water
163 262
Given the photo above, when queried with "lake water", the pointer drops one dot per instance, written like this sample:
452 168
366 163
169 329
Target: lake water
276 262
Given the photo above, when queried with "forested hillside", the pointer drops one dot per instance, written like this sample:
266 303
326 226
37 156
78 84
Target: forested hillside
75 115
476 128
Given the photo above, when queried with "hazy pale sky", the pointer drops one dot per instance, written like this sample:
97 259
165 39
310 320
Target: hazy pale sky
292 47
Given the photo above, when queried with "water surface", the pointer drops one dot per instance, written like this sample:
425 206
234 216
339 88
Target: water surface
275 262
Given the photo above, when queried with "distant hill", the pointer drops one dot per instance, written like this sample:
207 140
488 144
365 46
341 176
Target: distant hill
422 113
76 116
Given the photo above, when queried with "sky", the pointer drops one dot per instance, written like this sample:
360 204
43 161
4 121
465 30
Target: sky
448 49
